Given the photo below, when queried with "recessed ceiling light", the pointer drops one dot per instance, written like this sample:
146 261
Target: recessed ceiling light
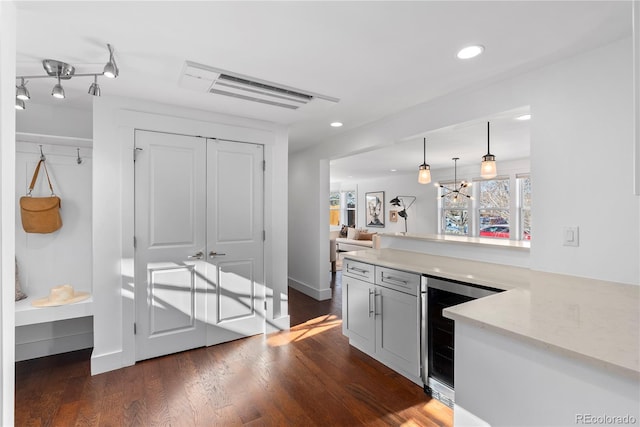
393 170
470 52
336 124
524 117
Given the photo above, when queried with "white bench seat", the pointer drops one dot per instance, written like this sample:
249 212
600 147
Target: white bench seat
26 314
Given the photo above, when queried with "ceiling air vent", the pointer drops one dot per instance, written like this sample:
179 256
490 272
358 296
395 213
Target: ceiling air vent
221 82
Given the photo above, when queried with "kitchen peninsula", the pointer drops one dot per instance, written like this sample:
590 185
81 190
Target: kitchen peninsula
551 350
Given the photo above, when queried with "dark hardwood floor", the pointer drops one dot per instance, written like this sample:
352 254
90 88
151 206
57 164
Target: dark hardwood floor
307 376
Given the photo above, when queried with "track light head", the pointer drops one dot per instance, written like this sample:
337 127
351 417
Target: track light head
58 91
94 89
20 105
22 92
111 69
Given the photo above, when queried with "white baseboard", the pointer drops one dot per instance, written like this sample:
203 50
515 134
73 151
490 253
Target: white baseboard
101 363
318 294
57 345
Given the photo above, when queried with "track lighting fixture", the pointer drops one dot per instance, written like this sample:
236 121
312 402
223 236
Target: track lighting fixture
488 167
457 191
424 174
63 71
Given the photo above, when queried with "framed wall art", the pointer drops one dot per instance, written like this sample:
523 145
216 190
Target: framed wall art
374 205
393 216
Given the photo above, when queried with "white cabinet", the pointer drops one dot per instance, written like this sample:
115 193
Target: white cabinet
381 315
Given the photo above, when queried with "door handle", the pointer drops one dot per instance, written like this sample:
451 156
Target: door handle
197 255
213 254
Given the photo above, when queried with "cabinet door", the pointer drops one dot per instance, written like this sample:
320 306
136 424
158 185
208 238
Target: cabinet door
358 321
397 333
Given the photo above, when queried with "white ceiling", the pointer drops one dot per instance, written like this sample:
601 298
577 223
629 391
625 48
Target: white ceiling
378 58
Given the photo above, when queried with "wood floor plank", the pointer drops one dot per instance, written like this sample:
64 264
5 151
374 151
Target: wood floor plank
306 376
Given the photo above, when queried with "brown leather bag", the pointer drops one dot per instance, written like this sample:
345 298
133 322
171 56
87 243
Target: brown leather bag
40 214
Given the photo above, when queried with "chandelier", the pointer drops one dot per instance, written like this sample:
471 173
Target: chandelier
457 191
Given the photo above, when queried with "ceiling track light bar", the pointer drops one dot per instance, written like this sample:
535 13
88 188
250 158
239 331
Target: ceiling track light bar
63 71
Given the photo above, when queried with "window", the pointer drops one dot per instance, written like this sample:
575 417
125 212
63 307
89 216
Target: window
342 208
455 213
493 208
492 212
524 205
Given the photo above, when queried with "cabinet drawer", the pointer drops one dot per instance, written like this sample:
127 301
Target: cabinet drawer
358 269
398 280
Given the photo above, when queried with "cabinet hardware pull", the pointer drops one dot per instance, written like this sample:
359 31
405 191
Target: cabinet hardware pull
375 303
357 270
371 292
394 279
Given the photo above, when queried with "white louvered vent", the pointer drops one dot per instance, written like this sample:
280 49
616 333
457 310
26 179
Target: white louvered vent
220 82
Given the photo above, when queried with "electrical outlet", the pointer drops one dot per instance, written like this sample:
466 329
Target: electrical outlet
570 236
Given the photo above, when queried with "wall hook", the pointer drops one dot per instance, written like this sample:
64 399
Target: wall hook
42 156
79 160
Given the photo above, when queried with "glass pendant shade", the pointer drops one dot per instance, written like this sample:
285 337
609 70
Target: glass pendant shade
424 175
488 167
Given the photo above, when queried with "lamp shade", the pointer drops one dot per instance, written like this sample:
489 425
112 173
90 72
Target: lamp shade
424 174
395 201
58 91
488 167
22 92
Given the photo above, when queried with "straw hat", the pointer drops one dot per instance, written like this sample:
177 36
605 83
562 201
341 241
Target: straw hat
60 295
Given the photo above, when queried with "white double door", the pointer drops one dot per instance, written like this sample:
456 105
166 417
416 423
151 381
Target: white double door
199 265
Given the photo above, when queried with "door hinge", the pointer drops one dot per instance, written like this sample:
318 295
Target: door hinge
264 165
135 153
265 305
135 329
264 235
135 243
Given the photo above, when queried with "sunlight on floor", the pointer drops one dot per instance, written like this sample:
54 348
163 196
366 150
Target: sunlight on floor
305 330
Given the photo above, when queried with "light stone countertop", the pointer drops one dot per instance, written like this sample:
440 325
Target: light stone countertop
593 320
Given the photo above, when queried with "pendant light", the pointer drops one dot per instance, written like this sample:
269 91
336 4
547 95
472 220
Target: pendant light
424 174
457 191
488 167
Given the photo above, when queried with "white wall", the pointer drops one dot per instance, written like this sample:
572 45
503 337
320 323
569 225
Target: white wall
114 122
582 117
7 217
55 120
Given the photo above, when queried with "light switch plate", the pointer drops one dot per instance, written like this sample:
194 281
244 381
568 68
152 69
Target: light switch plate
570 236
